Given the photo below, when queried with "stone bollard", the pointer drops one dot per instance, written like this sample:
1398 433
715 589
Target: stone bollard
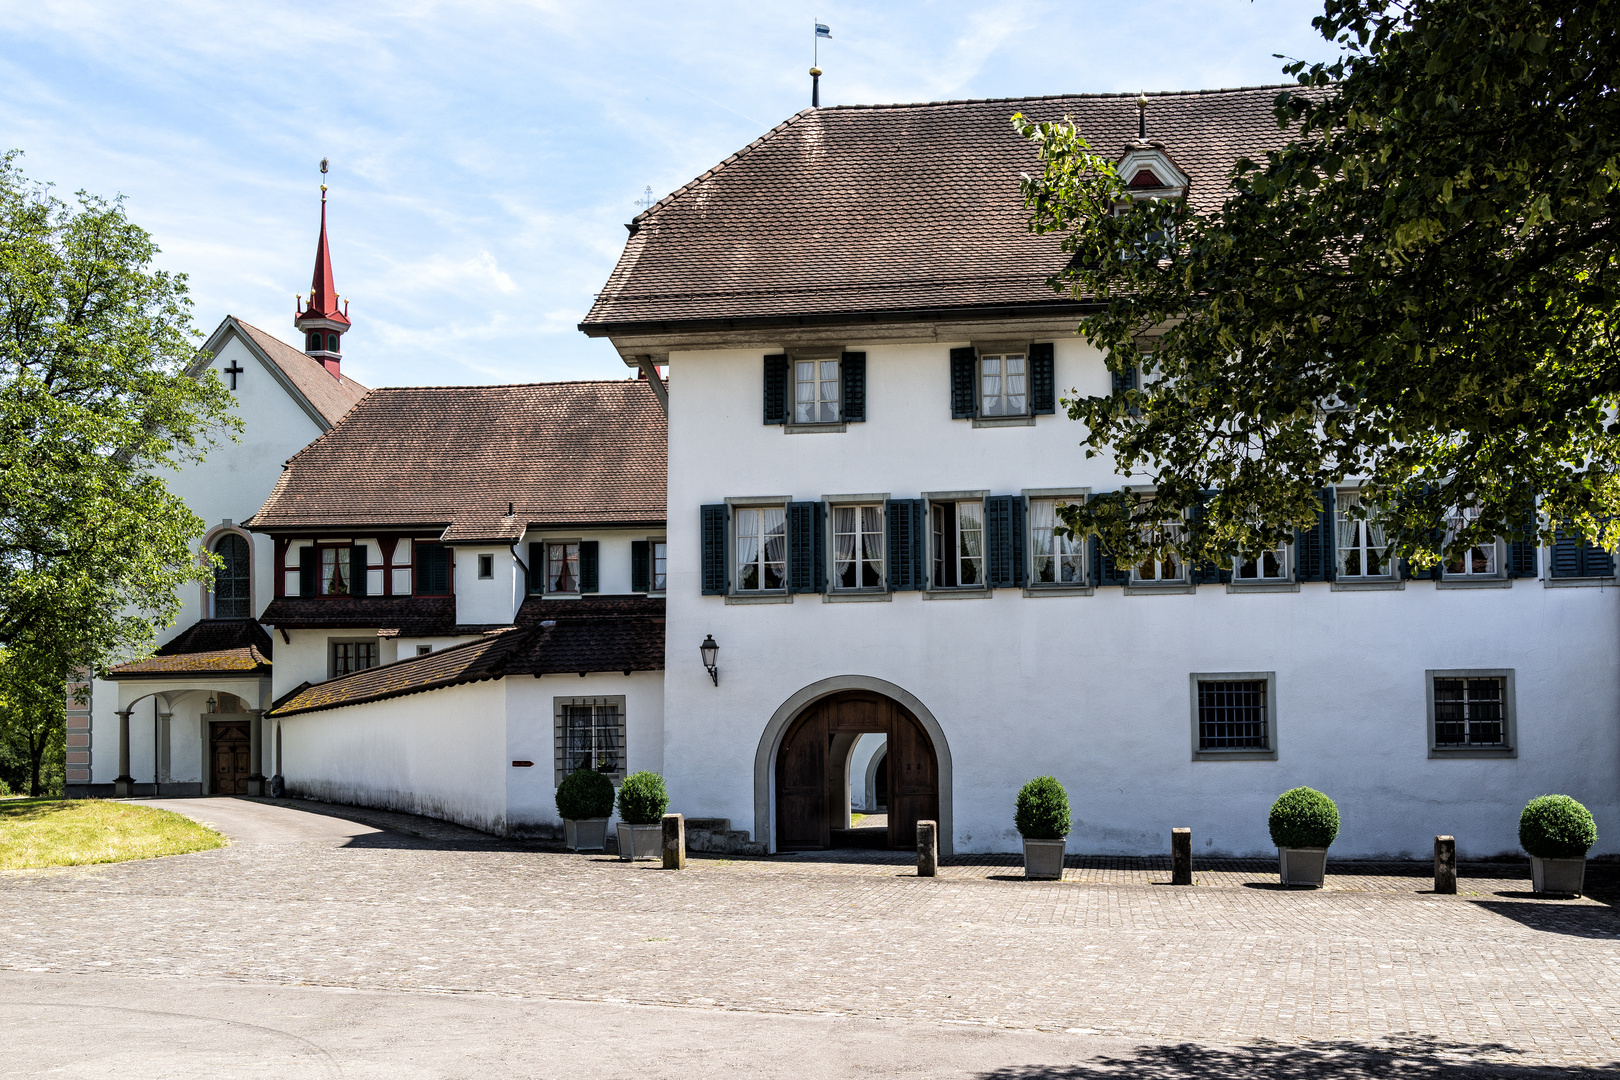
1445 865
674 842
1181 856
927 848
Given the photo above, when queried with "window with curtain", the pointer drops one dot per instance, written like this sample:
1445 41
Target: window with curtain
335 571
660 565
562 567
1360 543
1481 560
1055 560
233 593
1003 385
857 547
590 735
1171 568
819 391
761 546
348 656
957 539
1267 566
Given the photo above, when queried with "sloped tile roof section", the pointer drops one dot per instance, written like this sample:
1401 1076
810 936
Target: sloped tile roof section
329 396
218 647
620 640
863 210
394 616
492 527
566 453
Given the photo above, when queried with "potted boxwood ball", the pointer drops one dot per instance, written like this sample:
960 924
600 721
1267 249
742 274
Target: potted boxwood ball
1557 832
585 802
1303 824
1042 818
642 802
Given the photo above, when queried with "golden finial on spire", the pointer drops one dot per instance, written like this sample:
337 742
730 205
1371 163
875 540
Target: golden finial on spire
323 179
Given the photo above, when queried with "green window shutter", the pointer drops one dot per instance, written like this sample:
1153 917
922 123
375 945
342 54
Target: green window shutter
1209 573
537 566
1564 560
1042 379
904 520
1315 548
715 578
964 402
776 388
853 369
309 569
357 570
1004 541
1104 571
432 570
589 557
1596 562
640 566
1521 562
806 547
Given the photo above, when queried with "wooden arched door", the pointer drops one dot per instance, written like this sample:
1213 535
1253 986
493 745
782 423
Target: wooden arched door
804 796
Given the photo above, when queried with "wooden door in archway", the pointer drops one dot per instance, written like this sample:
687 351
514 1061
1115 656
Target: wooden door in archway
228 752
804 801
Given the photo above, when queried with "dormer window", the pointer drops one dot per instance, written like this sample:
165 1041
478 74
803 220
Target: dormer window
1145 178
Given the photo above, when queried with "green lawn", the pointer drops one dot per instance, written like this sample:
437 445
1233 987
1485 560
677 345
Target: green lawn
64 832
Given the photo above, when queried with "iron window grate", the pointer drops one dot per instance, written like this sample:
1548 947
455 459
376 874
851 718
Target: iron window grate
1469 712
1232 715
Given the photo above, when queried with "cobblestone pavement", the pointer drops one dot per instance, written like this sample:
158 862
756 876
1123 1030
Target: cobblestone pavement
1371 961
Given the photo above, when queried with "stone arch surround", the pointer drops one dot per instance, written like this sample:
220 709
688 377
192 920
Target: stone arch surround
770 742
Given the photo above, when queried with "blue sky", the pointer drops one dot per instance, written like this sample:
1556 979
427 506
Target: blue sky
485 157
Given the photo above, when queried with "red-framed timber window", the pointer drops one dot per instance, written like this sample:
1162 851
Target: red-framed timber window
333 569
432 569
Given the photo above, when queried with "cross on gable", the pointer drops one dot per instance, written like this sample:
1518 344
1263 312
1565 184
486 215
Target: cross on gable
233 371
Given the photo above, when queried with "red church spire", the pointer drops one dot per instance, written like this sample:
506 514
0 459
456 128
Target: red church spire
321 320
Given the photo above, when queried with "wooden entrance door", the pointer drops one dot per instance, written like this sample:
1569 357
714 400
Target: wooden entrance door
804 806
228 745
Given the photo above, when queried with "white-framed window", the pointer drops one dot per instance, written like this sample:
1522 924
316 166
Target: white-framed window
1003 384
1054 560
1171 569
486 567
423 650
350 656
659 552
1472 712
233 579
1480 561
1268 566
1234 715
760 544
956 542
857 533
819 393
1360 543
562 566
589 735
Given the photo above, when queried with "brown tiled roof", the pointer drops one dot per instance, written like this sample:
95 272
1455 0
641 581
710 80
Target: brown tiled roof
895 208
395 616
330 397
566 453
568 644
209 647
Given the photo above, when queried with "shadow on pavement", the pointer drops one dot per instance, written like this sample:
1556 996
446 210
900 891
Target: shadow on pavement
1403 1059
1573 919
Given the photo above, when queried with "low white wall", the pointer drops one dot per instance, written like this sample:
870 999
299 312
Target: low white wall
441 754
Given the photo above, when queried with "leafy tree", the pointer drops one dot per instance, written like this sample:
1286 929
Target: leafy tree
1418 293
33 722
100 394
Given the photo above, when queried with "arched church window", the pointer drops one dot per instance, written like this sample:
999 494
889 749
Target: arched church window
314 343
233 597
331 343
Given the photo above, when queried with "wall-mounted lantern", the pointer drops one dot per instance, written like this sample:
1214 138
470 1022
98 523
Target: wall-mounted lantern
212 704
710 652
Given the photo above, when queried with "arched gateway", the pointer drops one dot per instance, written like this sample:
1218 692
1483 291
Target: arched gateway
803 763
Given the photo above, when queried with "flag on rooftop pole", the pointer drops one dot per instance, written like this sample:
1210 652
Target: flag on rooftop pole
822 31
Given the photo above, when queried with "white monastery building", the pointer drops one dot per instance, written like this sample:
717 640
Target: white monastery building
470 591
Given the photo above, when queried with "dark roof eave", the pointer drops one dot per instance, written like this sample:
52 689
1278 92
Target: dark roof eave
258 672
978 312
304 530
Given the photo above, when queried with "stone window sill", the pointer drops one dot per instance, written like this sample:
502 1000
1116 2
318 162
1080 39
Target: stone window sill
1474 583
813 429
1577 582
1368 586
762 598
1234 755
1003 421
1473 752
1182 588
1262 586
1058 590
957 594
857 596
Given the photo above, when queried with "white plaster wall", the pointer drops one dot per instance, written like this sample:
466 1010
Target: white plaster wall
492 600
1094 690
230 484
531 713
440 754
614 552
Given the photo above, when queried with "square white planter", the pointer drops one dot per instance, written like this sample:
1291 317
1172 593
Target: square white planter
1558 875
1302 865
586 834
641 841
1043 859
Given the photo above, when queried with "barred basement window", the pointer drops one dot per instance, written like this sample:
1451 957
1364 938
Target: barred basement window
590 735
1233 715
1471 713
